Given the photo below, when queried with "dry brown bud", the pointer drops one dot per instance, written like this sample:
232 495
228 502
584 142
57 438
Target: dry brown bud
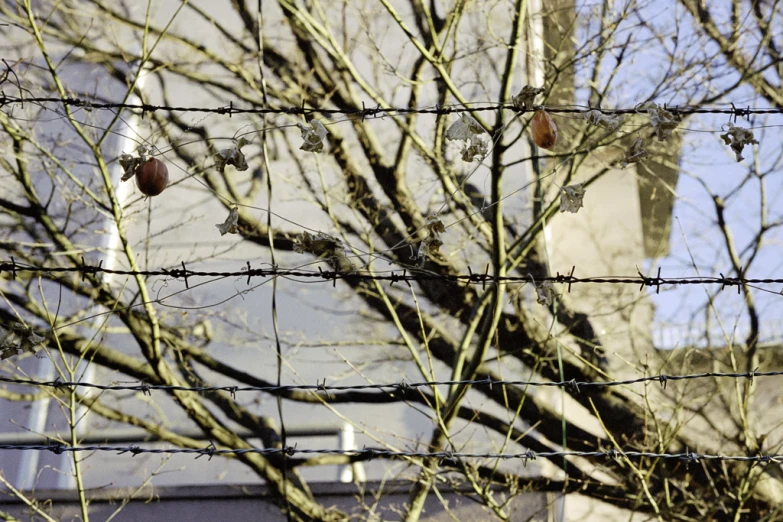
543 130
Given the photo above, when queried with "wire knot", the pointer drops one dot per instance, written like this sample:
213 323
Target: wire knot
145 388
740 113
322 387
446 455
209 451
566 279
370 452
177 273
370 112
328 274
134 450
613 454
529 455
58 384
689 457
479 278
650 281
732 281
12 266
395 278
86 269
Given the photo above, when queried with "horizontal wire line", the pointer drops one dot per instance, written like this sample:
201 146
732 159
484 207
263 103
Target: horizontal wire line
403 275
370 453
366 112
399 386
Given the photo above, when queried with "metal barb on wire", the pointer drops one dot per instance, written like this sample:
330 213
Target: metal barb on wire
145 388
185 274
394 276
370 453
401 386
322 387
751 374
363 112
209 451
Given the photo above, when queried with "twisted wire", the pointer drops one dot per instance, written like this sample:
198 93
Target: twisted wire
371 453
370 112
573 384
396 276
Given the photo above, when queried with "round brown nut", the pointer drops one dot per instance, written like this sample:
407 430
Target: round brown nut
152 177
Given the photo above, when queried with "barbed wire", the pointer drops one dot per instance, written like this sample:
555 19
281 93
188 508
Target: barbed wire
572 384
370 112
404 275
370 453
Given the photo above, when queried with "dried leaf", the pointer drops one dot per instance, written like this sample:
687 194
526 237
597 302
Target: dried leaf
634 153
130 164
571 198
232 156
524 100
8 348
662 121
435 226
430 245
599 119
231 224
321 245
30 340
545 293
737 138
475 148
325 247
433 246
428 248
343 264
8 351
313 137
21 338
464 128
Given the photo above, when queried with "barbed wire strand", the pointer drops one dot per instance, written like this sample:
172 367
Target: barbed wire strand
369 112
572 384
211 450
405 275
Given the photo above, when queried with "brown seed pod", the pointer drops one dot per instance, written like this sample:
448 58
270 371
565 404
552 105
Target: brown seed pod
543 130
152 177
